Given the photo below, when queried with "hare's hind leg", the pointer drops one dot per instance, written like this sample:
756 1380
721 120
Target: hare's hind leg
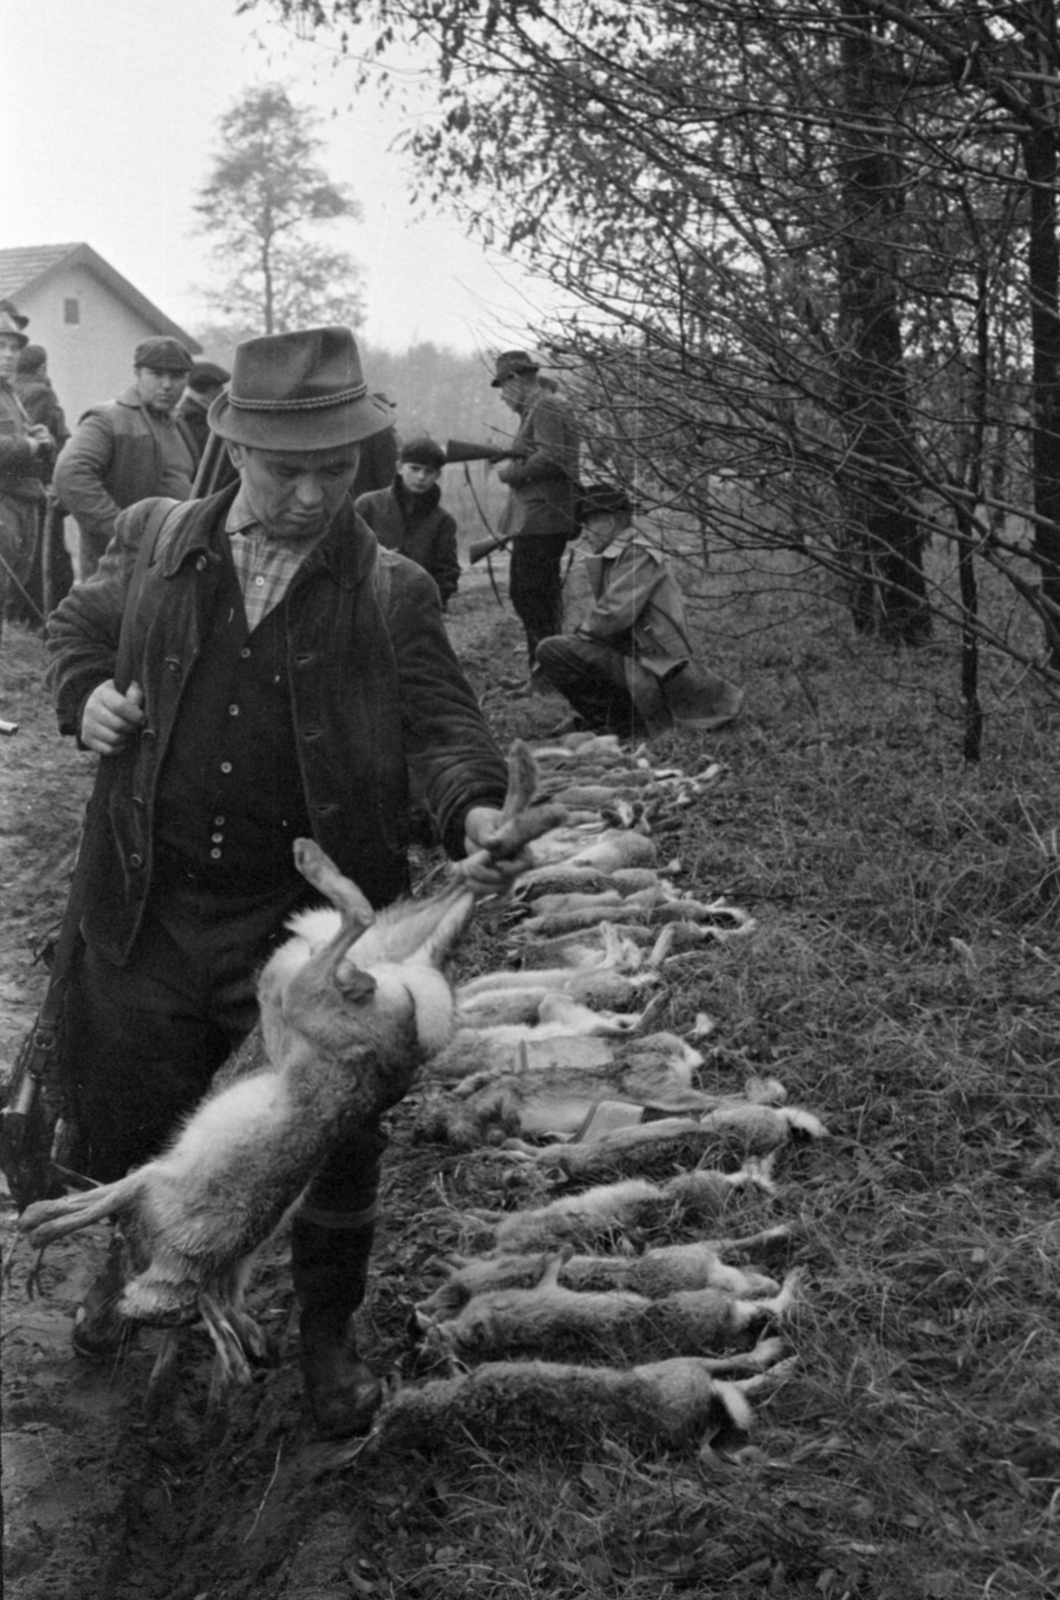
54 1219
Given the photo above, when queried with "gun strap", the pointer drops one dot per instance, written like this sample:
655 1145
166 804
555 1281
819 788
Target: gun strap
66 945
489 529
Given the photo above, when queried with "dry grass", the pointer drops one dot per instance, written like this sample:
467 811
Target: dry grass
904 984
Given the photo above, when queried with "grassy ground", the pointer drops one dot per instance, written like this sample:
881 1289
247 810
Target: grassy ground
904 983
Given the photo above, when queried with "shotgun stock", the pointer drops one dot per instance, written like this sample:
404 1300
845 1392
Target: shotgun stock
465 450
485 547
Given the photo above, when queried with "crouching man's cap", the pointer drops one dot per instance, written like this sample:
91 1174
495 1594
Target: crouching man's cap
298 391
602 499
162 355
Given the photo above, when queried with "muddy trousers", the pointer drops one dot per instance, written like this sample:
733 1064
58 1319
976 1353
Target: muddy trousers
535 587
593 679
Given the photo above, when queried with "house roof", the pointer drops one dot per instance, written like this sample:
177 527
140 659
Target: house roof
26 266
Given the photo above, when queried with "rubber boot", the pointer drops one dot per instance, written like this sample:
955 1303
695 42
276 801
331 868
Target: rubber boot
330 1270
100 1332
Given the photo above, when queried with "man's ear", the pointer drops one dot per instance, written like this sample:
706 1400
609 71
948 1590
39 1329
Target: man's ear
237 454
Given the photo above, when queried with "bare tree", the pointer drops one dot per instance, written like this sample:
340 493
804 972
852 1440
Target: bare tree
813 252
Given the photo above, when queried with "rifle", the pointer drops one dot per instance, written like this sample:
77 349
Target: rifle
485 547
35 1114
462 450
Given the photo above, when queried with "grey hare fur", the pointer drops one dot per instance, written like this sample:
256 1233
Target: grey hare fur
351 1004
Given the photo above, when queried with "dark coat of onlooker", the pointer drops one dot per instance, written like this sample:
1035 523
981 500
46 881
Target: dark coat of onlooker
542 477
51 571
26 452
379 457
128 449
39 400
408 517
205 382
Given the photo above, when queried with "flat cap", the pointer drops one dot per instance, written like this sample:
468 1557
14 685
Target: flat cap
207 375
602 499
424 452
162 355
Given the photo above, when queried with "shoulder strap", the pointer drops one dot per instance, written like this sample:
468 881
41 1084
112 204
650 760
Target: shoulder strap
157 518
69 933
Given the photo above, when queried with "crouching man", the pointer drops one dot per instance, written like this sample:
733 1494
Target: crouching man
628 668
270 672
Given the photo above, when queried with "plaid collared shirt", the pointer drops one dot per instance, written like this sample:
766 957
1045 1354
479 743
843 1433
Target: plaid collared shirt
263 566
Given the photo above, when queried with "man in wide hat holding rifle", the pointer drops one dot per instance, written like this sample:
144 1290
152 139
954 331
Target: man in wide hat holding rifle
269 672
542 477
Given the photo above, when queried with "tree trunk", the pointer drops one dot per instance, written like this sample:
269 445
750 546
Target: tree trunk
1043 271
886 539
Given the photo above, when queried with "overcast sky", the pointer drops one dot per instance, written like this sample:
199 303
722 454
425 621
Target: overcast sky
108 111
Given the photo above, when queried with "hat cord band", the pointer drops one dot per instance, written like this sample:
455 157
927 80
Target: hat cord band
324 402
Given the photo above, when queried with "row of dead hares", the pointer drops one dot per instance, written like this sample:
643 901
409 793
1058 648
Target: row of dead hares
580 1308
556 1066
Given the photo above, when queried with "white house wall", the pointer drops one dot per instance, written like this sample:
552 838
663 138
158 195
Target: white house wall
90 360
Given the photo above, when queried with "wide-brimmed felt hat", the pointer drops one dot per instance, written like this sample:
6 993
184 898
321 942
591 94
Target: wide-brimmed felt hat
162 354
9 329
298 391
600 500
15 314
510 363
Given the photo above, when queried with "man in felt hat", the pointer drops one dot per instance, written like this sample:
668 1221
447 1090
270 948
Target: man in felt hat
408 516
286 678
51 570
27 451
204 383
628 668
128 448
542 477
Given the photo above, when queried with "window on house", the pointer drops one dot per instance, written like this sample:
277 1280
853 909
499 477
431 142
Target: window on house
71 311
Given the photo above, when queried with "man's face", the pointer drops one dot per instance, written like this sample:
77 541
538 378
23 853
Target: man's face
600 530
207 396
159 391
418 478
9 348
295 494
514 390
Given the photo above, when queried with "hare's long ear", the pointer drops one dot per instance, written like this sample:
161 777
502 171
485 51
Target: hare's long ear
520 820
319 870
357 917
522 779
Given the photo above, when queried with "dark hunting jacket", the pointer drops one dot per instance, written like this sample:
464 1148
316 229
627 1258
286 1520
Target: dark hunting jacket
416 526
375 692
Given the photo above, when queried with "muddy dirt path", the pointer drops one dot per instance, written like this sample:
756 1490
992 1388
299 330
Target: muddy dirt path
100 1498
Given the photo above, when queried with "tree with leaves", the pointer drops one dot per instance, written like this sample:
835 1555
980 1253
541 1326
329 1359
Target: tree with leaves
264 199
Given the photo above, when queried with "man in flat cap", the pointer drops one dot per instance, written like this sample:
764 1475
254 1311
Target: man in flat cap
26 454
128 448
204 383
409 516
542 477
269 673
628 667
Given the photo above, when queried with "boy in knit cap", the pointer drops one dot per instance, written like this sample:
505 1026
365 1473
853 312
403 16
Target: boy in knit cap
408 517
